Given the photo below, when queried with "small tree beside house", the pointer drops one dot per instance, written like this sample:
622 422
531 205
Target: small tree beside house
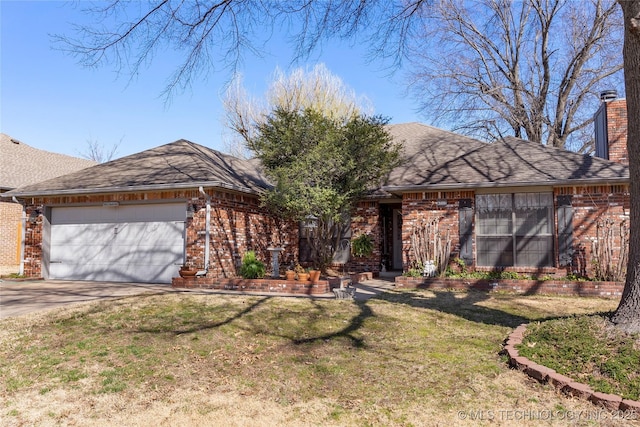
322 166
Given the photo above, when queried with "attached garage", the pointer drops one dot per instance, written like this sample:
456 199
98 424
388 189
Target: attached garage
122 243
140 217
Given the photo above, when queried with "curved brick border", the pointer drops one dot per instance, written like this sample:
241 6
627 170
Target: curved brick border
562 383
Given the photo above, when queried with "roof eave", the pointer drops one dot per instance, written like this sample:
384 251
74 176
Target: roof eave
131 189
471 186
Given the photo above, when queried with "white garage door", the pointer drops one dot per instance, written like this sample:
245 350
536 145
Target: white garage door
126 243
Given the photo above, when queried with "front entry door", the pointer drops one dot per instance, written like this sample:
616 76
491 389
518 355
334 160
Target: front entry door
397 240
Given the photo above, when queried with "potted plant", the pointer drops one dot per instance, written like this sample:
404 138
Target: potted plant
362 246
252 267
188 270
314 275
303 276
289 274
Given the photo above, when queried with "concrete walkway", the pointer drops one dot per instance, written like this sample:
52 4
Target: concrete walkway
18 298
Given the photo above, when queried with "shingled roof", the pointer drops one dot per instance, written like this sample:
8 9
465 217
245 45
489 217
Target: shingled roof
432 159
180 164
21 164
436 159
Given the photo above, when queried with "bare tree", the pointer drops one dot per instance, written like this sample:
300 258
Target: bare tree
531 68
627 315
316 89
98 152
214 35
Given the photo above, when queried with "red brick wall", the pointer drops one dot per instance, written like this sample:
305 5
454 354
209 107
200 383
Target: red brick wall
238 224
366 220
527 287
617 130
10 235
426 206
33 241
593 204
590 204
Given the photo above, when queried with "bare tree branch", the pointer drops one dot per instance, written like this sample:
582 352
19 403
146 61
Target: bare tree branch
530 68
316 89
98 152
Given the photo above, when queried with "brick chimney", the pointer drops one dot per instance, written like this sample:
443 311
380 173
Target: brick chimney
610 122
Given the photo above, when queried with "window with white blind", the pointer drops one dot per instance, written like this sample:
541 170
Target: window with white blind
514 229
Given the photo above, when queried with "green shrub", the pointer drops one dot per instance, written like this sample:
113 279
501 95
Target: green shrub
252 267
362 245
415 271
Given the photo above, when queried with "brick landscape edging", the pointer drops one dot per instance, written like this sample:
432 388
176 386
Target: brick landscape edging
518 286
280 285
562 383
254 285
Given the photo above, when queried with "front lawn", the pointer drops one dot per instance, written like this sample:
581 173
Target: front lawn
403 358
588 349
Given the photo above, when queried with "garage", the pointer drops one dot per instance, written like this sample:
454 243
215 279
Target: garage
113 242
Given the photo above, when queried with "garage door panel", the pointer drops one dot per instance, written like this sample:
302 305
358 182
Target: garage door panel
77 254
85 215
148 256
151 234
76 234
141 243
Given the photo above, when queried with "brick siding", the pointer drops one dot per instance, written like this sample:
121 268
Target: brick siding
238 224
366 220
527 287
590 204
426 206
10 236
617 130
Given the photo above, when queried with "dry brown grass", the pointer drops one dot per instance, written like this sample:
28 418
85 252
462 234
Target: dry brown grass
404 358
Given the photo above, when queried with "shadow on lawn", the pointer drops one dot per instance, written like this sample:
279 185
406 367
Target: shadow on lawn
460 304
198 325
464 305
348 332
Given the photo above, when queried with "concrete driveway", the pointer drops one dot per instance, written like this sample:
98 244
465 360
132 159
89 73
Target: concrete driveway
23 297
29 296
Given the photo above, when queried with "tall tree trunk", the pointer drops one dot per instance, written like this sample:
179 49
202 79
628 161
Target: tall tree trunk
627 315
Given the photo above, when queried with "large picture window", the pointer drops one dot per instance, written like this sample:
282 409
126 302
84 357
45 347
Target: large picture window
515 229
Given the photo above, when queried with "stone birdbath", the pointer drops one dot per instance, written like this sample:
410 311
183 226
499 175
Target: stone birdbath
275 261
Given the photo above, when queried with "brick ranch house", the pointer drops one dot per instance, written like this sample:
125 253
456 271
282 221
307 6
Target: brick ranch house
509 204
21 165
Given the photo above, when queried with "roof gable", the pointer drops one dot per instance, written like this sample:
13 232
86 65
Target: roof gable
179 164
442 162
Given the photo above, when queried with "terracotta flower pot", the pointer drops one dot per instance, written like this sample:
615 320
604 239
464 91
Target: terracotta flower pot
290 275
188 272
314 275
303 277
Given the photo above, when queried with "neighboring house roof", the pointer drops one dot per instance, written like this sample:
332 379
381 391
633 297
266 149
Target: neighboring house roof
180 164
436 159
21 164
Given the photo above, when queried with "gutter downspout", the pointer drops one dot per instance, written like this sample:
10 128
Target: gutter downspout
23 234
207 228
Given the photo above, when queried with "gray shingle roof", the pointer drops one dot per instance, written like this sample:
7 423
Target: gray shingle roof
21 164
436 159
433 159
180 164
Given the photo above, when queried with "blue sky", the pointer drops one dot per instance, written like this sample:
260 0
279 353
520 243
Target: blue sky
50 102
